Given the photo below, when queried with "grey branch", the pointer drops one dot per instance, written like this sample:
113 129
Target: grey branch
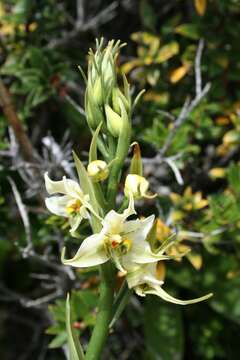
81 26
189 105
23 212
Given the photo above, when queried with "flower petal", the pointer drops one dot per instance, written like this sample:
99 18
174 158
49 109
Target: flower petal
141 252
90 253
113 222
64 186
75 221
158 290
142 274
57 205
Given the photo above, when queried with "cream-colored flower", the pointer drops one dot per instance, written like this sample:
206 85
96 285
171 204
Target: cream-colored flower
144 280
137 186
98 170
72 203
120 240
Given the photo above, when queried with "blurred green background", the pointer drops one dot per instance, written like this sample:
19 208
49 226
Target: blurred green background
41 45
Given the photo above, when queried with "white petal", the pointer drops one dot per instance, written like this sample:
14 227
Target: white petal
90 253
130 210
64 186
141 251
142 274
75 221
157 290
113 222
57 205
73 189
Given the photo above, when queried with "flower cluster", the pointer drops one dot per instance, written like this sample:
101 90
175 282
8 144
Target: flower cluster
127 243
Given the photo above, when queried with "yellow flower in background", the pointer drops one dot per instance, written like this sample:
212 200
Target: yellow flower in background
189 201
217 173
177 74
200 6
9 28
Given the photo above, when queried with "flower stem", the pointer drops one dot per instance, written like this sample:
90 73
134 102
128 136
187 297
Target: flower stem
101 329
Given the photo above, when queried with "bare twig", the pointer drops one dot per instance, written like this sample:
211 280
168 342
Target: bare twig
198 76
177 123
80 26
175 170
188 105
80 13
23 212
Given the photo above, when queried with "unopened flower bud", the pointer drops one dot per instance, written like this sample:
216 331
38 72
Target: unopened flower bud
116 95
114 121
98 170
93 112
97 91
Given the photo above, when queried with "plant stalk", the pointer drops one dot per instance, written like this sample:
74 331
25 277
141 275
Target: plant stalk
101 329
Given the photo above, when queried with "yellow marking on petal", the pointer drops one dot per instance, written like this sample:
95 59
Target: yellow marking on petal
73 206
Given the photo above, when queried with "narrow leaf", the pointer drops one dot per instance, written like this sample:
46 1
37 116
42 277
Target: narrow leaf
74 346
93 146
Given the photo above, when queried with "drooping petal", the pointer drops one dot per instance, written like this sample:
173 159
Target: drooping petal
57 205
142 274
158 290
90 253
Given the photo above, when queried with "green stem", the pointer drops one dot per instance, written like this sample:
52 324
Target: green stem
101 329
120 303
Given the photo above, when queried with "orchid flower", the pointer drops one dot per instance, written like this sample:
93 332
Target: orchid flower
119 240
137 186
72 203
144 280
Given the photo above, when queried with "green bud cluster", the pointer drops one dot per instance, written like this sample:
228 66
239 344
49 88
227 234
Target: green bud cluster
105 102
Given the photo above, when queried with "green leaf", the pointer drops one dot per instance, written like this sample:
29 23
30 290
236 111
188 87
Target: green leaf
234 178
58 340
163 330
88 188
148 15
190 31
74 346
93 146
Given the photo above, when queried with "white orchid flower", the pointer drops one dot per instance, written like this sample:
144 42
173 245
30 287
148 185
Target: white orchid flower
137 186
144 280
72 203
119 240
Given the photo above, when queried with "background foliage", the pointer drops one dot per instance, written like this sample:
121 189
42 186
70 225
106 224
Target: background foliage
41 44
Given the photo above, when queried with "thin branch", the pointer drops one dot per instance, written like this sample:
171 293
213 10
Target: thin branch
188 106
102 17
23 212
80 12
198 75
177 123
175 170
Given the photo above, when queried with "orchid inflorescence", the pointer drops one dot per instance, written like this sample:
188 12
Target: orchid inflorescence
129 244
